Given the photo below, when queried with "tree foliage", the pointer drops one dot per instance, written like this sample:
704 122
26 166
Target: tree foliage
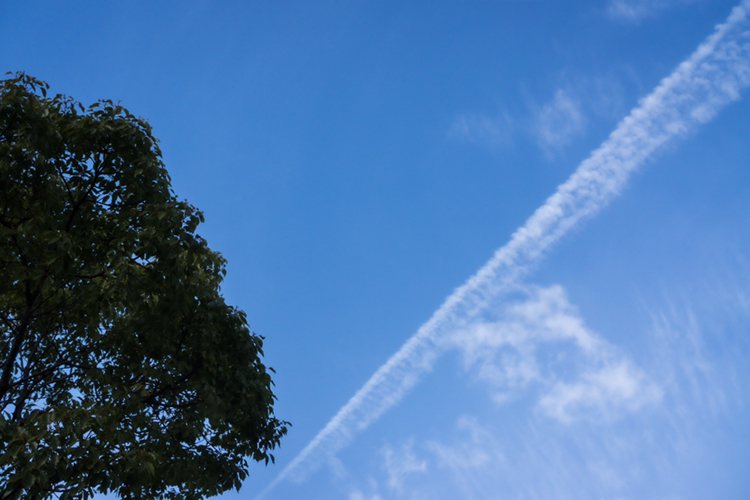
122 369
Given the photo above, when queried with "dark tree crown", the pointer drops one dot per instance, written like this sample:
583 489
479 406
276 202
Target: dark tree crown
122 369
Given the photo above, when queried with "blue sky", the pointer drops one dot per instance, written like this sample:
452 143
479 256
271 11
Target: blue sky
382 178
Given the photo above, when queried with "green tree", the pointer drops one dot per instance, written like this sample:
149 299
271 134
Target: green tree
122 369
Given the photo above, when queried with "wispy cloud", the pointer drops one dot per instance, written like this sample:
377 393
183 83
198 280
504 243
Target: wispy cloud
401 463
558 122
477 452
484 131
542 341
710 78
694 335
358 495
637 10
553 123
700 359
605 392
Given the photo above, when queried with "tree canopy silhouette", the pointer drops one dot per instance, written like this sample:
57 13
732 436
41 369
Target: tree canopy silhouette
122 368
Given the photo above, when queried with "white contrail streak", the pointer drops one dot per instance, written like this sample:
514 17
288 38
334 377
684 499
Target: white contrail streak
693 94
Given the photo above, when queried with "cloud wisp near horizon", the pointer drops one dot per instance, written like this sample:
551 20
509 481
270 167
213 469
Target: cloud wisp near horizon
712 77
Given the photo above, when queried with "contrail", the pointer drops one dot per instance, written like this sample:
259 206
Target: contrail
693 94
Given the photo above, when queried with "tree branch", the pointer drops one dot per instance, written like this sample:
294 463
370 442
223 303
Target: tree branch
18 337
78 204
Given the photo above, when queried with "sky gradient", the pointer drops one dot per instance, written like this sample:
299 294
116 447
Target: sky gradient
498 249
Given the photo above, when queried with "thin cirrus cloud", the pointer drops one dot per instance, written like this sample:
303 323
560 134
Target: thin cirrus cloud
532 341
691 95
483 131
635 11
617 434
558 122
553 124
401 463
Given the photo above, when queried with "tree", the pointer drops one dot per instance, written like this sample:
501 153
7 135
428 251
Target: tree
122 369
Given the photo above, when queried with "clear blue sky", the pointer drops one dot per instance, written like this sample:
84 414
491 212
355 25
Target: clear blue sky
359 160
